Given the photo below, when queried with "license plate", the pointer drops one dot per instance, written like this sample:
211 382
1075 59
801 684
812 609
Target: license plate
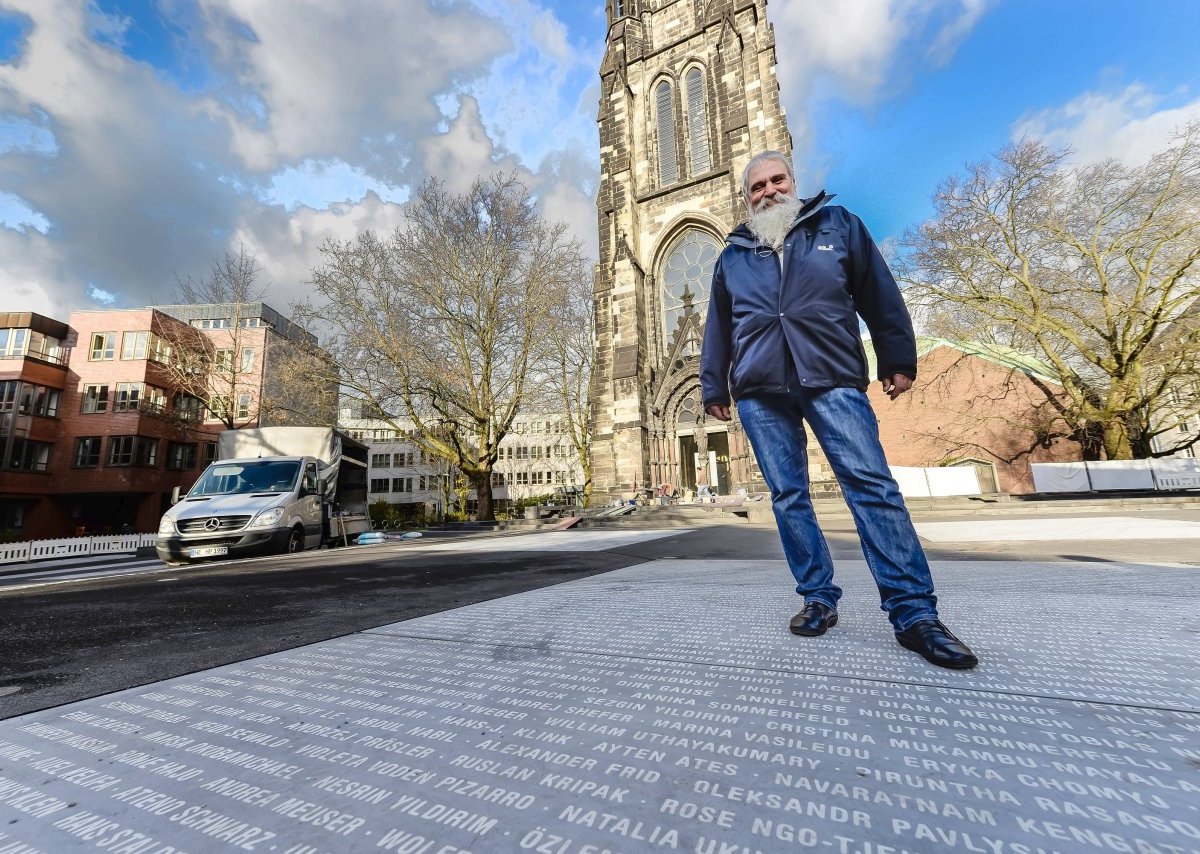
208 551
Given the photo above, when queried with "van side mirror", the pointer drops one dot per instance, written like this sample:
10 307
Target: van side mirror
175 496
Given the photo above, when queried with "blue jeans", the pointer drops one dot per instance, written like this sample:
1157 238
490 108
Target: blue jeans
844 424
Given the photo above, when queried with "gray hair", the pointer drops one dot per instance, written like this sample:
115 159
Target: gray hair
764 157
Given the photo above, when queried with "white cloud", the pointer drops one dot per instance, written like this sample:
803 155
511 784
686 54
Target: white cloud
356 82
309 120
1129 125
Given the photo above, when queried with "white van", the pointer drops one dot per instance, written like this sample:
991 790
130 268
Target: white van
249 505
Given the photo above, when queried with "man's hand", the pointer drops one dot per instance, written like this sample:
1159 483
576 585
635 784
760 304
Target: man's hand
719 411
896 385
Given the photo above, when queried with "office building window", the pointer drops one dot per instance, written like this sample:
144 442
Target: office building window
120 450
104 347
87 452
128 395
380 484
188 408
45 402
181 456
28 455
154 399
247 359
380 461
145 451
243 406
95 398
135 345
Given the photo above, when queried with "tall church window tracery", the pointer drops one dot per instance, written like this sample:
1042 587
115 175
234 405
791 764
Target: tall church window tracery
664 119
687 278
699 153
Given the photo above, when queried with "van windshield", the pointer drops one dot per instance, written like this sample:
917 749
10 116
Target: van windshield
245 478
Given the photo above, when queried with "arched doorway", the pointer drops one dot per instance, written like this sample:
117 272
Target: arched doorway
703 447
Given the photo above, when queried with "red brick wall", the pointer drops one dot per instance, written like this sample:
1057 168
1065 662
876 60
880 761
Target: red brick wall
140 490
964 406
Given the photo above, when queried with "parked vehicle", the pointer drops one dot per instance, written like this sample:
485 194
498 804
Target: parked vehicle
272 490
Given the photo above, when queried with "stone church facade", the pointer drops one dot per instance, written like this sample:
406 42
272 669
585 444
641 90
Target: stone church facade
688 96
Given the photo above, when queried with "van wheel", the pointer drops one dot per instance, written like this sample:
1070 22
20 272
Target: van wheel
295 541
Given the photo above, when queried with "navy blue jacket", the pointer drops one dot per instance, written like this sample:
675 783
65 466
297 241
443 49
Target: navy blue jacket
800 308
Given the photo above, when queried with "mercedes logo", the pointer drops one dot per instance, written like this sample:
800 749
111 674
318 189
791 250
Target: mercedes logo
212 524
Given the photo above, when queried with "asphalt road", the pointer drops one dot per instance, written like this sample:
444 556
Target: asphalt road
71 640
67 641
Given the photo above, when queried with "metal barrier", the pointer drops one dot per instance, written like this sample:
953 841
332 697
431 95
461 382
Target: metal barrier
73 547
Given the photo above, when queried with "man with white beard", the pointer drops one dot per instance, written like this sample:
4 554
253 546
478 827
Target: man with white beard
782 340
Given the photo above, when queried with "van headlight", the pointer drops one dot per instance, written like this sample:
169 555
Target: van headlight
267 518
166 527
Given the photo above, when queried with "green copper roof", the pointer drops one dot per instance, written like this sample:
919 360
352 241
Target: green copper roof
996 353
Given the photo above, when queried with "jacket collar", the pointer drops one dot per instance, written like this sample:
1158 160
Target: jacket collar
743 236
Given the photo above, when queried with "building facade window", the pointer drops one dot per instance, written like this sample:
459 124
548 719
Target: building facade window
120 450
380 484
380 461
243 406
127 398
145 451
687 278
154 399
104 347
13 341
209 454
135 345
87 452
247 359
95 399
664 119
188 408
132 451
28 455
699 155
181 456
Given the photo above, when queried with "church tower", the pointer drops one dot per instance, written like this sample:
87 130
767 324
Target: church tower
688 96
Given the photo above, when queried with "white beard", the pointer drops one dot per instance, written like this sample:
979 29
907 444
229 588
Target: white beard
772 224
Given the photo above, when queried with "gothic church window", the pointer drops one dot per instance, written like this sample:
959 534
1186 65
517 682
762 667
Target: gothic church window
664 113
687 277
697 123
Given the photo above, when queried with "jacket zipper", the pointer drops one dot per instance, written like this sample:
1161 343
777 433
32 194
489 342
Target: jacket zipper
793 234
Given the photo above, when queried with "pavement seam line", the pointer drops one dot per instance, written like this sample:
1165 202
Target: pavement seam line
932 685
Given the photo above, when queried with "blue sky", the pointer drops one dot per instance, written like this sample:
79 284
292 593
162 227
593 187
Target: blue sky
139 139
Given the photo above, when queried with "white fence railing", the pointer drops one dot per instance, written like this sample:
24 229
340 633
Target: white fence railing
73 547
1110 475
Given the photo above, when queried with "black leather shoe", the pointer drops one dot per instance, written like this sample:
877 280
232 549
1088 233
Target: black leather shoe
933 641
813 620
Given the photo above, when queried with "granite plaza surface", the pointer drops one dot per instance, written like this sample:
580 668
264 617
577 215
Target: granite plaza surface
660 707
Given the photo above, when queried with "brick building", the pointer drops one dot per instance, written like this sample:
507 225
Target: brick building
33 376
972 403
98 427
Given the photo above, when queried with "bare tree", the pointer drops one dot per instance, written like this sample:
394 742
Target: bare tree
218 368
1092 269
444 321
570 367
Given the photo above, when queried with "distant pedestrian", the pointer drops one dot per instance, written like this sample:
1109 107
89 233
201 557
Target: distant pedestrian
782 341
